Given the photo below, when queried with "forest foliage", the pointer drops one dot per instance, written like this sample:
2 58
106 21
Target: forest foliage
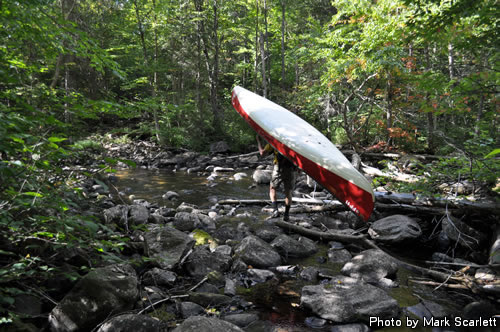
413 76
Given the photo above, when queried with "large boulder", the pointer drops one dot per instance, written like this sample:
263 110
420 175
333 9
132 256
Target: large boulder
258 253
102 292
346 299
131 322
261 176
138 215
188 221
395 229
373 266
206 324
166 245
290 247
201 261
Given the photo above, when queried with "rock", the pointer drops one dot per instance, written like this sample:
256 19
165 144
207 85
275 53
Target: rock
206 324
223 250
315 322
346 299
396 229
240 176
201 261
138 215
339 256
166 212
259 275
268 232
372 266
219 147
230 287
185 207
427 309
102 292
289 247
241 320
458 231
350 328
159 277
117 214
351 219
261 176
310 273
131 322
229 232
187 221
188 309
166 245
258 253
209 299
170 195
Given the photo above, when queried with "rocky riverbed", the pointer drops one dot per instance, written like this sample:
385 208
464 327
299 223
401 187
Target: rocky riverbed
213 265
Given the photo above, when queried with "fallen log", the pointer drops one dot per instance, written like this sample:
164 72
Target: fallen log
363 241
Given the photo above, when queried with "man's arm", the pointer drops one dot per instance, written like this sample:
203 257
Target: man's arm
263 151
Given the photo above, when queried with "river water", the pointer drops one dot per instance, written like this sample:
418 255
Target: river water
277 303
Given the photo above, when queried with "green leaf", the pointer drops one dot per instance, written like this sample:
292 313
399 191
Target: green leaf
54 139
33 194
492 153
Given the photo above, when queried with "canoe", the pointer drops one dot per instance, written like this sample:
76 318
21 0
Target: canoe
307 148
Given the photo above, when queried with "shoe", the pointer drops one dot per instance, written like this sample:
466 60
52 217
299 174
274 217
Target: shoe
286 217
275 214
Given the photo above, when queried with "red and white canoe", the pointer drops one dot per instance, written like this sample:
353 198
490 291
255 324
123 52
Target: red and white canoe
307 148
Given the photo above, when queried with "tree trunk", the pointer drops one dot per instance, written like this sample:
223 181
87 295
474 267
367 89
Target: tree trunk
430 113
389 108
256 60
155 73
282 44
263 65
266 52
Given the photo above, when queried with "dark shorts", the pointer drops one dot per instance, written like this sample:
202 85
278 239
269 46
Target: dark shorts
284 175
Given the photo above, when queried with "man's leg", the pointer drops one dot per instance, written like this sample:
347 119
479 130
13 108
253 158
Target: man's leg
274 201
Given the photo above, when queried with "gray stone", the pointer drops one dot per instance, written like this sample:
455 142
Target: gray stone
206 324
201 261
166 245
310 273
259 275
339 256
99 294
372 266
224 250
209 299
347 299
188 309
131 322
240 176
117 214
241 320
350 328
170 195
261 176
258 253
289 247
138 215
268 232
159 277
230 287
395 229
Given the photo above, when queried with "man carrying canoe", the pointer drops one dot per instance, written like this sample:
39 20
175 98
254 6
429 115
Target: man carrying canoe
283 172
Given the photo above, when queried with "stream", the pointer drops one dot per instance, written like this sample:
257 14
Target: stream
277 303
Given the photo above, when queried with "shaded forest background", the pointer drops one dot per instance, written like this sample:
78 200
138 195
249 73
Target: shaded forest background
414 76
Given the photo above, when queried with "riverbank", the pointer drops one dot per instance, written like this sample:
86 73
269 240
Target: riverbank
238 269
